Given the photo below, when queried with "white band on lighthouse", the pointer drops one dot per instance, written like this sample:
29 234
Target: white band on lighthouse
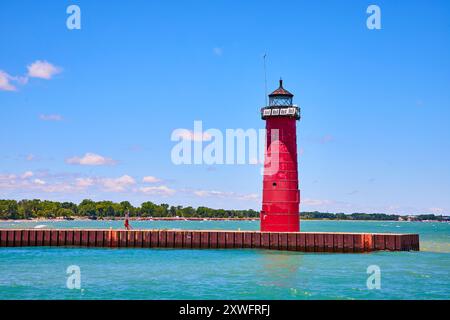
291 111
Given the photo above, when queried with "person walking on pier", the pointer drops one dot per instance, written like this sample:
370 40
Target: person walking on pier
127 223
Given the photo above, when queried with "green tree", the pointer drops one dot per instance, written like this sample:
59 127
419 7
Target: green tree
9 209
188 212
148 209
87 208
65 213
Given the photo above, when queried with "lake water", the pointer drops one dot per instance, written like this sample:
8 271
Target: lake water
40 272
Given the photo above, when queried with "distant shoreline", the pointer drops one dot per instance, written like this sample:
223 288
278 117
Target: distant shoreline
189 219
109 210
133 219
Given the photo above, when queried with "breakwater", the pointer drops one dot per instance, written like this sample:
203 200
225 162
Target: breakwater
211 239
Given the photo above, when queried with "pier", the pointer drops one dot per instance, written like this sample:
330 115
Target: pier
210 239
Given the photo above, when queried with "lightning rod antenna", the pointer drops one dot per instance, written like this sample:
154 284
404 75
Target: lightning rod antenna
265 78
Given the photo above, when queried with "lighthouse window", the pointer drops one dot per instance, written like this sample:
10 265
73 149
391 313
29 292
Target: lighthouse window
274 184
280 101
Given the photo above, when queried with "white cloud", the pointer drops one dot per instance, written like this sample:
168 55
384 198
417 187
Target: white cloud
38 69
39 182
63 183
150 179
316 202
61 187
227 195
250 197
5 82
27 174
91 159
42 69
84 182
160 190
118 184
210 193
7 181
51 117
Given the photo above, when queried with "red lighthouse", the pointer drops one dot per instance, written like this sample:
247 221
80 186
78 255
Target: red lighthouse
281 196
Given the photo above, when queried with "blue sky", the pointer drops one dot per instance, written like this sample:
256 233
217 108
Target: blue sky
374 134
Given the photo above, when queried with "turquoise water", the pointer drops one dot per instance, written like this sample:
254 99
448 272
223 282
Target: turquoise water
40 273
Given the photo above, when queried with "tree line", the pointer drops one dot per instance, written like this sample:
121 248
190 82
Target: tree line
29 209
370 216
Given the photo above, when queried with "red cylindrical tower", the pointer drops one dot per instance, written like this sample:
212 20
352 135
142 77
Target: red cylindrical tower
281 196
